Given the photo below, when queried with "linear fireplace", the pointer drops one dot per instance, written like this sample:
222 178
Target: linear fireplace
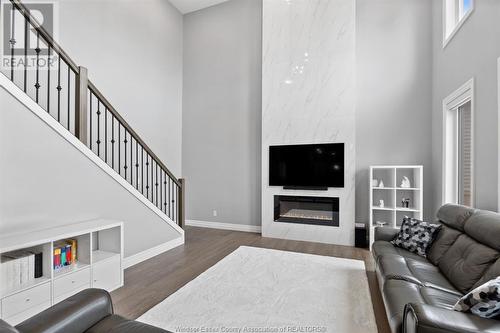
306 210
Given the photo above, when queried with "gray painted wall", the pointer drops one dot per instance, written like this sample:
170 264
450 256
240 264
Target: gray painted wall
222 112
473 52
133 51
393 105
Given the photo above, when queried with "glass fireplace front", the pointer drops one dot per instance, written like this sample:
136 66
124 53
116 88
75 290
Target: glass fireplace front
307 210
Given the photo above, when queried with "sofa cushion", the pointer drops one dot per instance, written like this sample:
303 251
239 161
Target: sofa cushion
416 236
439 298
484 227
484 301
454 216
491 273
383 248
396 268
415 271
466 261
444 240
430 276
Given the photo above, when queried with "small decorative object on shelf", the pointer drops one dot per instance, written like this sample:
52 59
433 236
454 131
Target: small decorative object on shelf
405 183
374 182
401 187
405 202
380 223
381 203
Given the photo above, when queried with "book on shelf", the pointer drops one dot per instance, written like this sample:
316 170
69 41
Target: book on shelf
18 268
65 253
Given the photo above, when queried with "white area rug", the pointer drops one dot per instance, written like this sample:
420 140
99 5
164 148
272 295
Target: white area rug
256 290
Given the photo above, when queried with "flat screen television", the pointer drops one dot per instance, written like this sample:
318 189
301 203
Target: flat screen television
307 166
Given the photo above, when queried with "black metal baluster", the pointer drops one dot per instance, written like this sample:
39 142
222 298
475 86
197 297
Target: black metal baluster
125 151
25 54
136 165
142 169
48 78
69 94
152 181
156 184
113 141
91 115
161 189
176 190
98 127
37 50
119 149
131 161
147 176
106 134
12 42
165 194
169 195
172 202
59 89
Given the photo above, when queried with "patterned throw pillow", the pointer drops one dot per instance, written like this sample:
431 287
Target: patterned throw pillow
416 236
484 301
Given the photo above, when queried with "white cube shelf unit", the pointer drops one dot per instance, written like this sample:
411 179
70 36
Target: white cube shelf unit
99 264
392 194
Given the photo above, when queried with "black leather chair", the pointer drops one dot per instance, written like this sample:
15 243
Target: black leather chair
90 311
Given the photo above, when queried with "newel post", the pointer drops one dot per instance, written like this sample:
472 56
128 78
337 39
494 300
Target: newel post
180 202
81 116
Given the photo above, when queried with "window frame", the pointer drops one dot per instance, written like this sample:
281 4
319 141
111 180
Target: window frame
454 15
459 97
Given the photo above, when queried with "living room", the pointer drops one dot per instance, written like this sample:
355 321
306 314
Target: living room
250 166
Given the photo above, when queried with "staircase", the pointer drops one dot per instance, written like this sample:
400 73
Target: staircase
62 88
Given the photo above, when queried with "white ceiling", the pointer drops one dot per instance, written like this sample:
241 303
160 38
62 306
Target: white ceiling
188 6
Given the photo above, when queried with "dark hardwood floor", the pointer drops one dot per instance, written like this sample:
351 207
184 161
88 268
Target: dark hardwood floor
151 281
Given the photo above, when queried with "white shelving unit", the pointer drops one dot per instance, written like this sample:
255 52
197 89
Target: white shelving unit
99 264
393 212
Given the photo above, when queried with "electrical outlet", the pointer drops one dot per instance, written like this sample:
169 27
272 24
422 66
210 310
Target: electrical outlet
214 212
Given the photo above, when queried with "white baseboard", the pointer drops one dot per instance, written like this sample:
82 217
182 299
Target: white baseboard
224 226
152 252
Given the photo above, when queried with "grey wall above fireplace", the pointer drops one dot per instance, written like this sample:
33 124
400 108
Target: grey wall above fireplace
221 112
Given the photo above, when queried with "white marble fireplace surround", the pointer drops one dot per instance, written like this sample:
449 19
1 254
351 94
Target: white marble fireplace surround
308 97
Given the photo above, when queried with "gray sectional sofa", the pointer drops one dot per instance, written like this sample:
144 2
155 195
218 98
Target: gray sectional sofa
419 293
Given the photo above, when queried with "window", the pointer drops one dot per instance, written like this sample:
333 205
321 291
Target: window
456 13
458 152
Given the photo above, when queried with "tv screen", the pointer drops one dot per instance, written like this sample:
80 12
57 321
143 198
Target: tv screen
315 165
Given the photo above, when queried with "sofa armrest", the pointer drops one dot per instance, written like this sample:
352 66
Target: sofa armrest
385 233
75 314
425 318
